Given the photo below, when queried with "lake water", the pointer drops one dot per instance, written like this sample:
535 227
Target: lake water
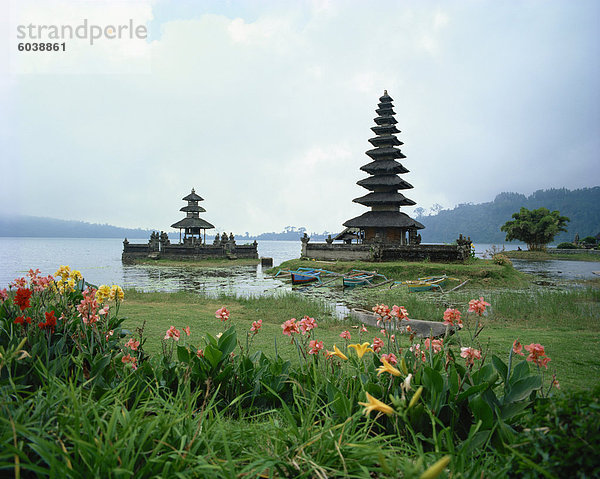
99 260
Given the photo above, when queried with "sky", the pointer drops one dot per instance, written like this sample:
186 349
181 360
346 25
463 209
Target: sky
265 107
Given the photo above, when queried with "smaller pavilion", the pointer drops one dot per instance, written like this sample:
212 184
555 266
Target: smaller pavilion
192 240
193 226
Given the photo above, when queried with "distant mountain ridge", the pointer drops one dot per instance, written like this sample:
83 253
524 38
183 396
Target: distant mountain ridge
40 227
482 221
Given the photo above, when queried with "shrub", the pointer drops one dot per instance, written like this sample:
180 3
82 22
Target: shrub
567 246
563 435
501 260
589 240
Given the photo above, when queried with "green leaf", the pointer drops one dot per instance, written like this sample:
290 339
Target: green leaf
482 411
228 341
433 380
213 355
453 381
183 354
500 367
520 370
522 388
472 390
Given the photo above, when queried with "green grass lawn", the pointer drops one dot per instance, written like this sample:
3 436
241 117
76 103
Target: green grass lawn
543 255
567 323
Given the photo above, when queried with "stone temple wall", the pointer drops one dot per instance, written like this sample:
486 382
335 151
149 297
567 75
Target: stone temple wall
385 252
156 249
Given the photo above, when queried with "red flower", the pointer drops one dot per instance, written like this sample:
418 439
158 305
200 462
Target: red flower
22 298
22 320
50 322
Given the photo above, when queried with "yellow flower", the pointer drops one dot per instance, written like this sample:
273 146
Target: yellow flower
375 405
337 352
70 284
387 368
63 272
436 469
361 349
103 293
116 293
416 397
76 275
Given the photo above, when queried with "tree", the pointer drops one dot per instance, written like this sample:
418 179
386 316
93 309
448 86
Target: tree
536 228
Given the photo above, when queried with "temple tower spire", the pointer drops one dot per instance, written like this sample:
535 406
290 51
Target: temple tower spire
384 222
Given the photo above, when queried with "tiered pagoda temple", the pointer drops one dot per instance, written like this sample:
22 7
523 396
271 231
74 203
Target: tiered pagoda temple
192 225
385 222
192 246
384 232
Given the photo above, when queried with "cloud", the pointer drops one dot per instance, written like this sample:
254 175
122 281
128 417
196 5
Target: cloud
266 109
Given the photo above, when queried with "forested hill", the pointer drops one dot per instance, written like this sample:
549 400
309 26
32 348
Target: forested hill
482 222
33 226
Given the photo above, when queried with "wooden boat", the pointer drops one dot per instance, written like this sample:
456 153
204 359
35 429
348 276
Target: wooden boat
305 275
359 278
425 284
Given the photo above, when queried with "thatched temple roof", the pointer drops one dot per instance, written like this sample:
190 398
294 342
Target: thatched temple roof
384 180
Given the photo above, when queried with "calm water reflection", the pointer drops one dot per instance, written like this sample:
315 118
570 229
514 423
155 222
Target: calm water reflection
99 260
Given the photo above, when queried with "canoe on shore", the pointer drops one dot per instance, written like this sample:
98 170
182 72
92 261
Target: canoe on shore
305 275
360 278
424 284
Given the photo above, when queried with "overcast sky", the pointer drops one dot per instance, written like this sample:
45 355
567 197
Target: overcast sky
265 107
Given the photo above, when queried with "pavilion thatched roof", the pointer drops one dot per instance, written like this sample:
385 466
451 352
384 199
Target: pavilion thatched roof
377 181
384 167
192 208
384 198
383 219
192 197
192 223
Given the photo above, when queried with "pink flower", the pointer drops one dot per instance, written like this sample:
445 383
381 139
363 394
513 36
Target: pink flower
434 344
400 312
470 355
452 318
130 359
390 358
132 344
222 314
187 330
109 334
315 346
477 306
377 344
256 325
306 324
418 352
103 311
3 294
172 332
290 327
383 332
537 355
200 353
363 329
345 335
383 311
518 348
